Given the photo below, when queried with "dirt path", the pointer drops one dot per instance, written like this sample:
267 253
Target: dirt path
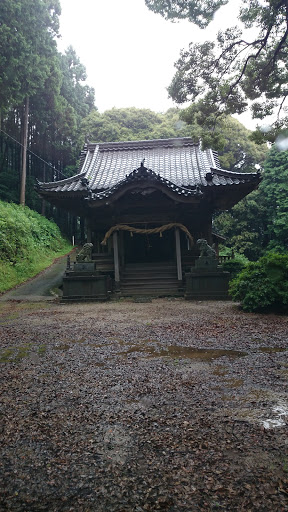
40 287
122 406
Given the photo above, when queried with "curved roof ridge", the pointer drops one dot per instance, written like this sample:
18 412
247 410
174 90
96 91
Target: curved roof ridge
172 142
76 177
224 172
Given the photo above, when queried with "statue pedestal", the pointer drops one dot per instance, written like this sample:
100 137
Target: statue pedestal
84 283
85 266
207 281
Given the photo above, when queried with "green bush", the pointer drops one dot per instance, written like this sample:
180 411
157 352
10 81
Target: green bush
28 243
263 285
234 266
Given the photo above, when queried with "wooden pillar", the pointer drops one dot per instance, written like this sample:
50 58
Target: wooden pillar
88 231
89 234
116 257
82 229
121 248
178 254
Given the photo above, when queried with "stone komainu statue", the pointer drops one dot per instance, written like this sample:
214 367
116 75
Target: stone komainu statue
206 251
85 254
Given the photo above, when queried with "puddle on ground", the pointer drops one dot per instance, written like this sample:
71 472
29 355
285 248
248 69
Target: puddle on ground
251 408
233 383
175 351
279 417
272 350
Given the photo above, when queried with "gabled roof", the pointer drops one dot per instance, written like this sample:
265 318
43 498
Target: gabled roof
180 164
143 178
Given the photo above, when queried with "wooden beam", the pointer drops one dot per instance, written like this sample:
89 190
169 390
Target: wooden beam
178 254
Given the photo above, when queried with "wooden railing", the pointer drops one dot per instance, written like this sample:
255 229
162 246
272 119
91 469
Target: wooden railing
222 259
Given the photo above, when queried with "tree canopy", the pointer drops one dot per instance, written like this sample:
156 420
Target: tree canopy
260 221
240 69
200 12
274 188
238 152
28 30
118 124
32 67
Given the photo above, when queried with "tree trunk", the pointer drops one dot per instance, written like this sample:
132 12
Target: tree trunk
24 153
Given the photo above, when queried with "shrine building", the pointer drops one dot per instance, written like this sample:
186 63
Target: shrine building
145 204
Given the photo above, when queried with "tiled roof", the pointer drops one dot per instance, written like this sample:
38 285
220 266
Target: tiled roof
179 162
142 174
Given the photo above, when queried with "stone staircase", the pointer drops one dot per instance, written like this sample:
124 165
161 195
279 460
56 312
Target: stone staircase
104 262
150 279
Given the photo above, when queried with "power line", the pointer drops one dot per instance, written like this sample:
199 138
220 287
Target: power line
34 154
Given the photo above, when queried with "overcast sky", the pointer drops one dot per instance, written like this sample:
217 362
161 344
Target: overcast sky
128 51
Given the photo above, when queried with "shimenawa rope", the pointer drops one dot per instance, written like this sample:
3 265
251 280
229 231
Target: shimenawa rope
152 231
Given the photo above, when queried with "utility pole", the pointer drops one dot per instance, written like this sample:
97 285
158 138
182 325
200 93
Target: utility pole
24 153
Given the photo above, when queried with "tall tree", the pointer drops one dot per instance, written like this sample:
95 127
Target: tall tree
245 226
224 73
260 221
27 36
275 196
58 110
235 148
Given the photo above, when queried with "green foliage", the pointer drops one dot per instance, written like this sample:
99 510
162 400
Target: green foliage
27 32
274 189
234 266
31 66
28 243
9 186
223 74
263 285
237 152
259 222
197 11
120 124
244 226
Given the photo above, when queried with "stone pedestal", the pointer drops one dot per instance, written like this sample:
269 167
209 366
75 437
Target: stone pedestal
84 283
207 281
85 266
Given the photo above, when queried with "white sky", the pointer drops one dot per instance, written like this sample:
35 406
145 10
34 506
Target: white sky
128 51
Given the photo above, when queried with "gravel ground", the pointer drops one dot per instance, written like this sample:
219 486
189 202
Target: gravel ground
129 406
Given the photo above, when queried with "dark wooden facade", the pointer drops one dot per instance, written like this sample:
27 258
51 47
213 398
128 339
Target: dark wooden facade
146 185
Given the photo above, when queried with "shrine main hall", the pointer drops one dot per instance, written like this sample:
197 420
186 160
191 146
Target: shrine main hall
145 204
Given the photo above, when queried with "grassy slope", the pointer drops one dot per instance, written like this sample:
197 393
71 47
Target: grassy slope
28 244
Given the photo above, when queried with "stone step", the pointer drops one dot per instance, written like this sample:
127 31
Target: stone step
153 279
156 292
150 275
150 284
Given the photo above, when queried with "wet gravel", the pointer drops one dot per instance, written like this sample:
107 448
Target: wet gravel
130 406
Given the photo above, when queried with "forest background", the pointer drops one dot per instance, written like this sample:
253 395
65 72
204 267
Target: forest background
47 92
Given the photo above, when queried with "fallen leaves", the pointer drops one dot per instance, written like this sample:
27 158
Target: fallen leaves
108 417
